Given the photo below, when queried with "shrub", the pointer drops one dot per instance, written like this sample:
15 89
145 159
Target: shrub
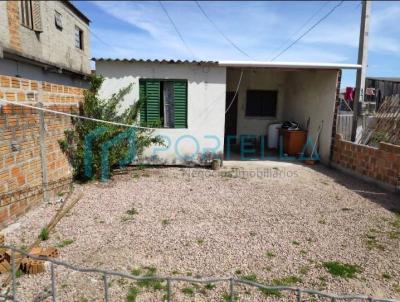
103 109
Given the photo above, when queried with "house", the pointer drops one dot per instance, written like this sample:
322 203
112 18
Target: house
44 58
377 88
201 104
45 41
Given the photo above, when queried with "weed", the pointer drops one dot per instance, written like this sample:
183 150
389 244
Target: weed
132 212
200 241
132 294
304 270
60 194
343 270
396 222
165 222
278 282
322 221
386 276
189 274
137 271
19 273
209 286
303 252
150 283
238 272
251 277
394 235
44 234
252 233
270 254
396 287
65 243
294 242
226 297
372 243
188 291
175 272
346 209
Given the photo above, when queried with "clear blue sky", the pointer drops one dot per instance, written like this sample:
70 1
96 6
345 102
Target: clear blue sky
261 29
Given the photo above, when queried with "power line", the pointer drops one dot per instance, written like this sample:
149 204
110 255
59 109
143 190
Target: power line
308 30
304 24
177 30
221 32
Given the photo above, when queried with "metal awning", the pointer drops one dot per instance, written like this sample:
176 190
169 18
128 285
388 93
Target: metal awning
269 64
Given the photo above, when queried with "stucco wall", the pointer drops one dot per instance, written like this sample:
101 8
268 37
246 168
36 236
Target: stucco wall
51 45
311 94
206 103
263 79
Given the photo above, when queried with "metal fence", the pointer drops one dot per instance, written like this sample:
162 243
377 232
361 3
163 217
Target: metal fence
232 281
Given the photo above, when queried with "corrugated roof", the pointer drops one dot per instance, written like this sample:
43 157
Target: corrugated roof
155 61
307 65
243 64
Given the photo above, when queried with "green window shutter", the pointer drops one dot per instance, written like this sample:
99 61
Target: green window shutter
142 97
180 104
150 113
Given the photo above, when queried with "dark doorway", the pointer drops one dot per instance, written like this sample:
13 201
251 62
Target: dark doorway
231 116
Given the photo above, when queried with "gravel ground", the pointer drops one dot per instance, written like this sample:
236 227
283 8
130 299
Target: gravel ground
280 225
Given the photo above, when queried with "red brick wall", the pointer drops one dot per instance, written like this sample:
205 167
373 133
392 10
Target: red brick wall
382 164
13 24
21 175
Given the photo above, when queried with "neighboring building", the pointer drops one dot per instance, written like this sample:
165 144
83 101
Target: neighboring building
377 88
191 99
45 41
44 57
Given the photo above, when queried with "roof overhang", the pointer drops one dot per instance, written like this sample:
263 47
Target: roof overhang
302 65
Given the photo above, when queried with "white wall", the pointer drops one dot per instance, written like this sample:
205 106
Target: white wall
206 102
263 79
311 94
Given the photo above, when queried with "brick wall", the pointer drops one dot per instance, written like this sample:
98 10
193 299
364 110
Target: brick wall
381 164
21 156
13 24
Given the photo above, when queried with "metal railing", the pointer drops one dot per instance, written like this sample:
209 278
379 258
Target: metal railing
232 281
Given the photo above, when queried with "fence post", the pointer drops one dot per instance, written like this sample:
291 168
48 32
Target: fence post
43 153
13 272
231 293
53 282
106 295
169 290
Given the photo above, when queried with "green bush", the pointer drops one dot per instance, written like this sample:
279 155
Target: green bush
103 109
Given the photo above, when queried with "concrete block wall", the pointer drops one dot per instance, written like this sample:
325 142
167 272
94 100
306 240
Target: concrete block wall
381 165
22 160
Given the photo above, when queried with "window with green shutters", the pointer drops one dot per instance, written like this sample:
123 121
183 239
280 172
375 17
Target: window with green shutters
164 103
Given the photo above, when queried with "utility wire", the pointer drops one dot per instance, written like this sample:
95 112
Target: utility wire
221 32
308 30
304 24
177 30
236 92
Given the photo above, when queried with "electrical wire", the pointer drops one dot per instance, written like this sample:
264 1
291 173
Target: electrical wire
236 92
304 24
177 30
221 32
72 115
308 30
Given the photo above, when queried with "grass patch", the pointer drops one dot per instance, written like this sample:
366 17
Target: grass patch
251 277
343 270
372 243
289 280
150 271
165 222
270 254
188 291
209 286
137 271
132 212
44 234
133 292
65 243
226 297
304 270
238 272
386 276
294 242
322 221
200 241
19 273
303 252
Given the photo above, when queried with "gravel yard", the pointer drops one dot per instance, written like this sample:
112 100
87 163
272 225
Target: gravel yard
268 221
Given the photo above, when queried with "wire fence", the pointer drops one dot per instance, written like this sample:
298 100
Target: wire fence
231 281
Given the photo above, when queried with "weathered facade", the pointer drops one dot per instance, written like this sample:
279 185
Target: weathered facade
44 40
44 61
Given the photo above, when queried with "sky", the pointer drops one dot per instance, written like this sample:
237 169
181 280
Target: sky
261 30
